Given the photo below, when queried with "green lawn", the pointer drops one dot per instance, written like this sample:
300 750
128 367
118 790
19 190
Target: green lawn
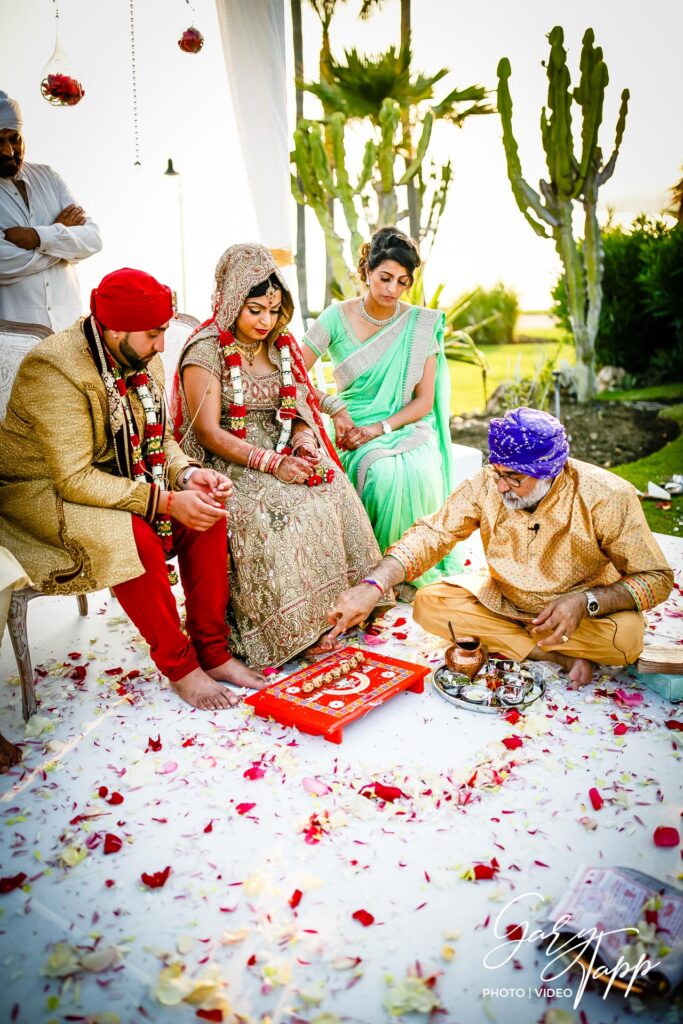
659 467
659 393
505 361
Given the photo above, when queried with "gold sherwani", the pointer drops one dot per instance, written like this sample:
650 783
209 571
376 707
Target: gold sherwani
588 531
64 511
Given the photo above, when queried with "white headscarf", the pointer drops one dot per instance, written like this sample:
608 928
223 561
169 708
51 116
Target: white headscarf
10 113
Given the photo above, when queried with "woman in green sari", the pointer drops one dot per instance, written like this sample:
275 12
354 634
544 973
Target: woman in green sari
391 411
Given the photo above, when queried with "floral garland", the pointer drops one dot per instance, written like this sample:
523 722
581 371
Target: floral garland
148 458
286 413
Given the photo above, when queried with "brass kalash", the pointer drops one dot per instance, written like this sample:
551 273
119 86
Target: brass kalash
471 677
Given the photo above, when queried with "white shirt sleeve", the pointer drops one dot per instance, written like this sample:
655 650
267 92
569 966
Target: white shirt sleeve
70 244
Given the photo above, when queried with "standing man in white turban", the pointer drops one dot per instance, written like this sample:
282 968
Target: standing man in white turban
43 234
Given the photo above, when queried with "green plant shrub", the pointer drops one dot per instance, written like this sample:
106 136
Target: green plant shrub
490 315
639 264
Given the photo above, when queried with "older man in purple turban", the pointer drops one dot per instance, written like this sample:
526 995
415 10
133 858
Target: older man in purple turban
571 561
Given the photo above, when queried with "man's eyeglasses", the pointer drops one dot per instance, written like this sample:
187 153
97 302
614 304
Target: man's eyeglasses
515 482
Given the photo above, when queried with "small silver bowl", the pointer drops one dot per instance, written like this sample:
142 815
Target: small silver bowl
511 694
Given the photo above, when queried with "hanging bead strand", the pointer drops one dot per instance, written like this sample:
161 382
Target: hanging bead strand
134 80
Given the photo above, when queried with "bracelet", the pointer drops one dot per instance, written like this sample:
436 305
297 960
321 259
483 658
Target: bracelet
332 404
169 503
374 583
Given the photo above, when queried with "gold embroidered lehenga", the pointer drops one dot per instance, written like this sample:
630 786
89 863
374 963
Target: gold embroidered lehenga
293 548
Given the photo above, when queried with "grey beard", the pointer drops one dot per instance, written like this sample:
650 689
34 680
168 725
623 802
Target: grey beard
515 503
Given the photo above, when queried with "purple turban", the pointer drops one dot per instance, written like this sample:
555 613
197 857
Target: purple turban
528 441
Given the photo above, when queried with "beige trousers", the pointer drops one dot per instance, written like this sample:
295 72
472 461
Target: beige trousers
616 639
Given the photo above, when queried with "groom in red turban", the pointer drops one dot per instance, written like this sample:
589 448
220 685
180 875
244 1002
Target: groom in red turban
95 493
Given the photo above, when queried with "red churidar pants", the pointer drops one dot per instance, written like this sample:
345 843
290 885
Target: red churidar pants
149 602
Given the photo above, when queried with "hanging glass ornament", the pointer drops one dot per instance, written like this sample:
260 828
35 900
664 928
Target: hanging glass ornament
59 85
191 41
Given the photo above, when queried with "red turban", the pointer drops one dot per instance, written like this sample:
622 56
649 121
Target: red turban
131 300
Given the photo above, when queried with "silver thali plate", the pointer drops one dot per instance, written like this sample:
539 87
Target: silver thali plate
475 696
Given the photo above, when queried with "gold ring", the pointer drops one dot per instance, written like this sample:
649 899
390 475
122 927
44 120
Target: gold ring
564 638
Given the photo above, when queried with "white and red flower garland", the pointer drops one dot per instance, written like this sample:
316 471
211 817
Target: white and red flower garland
148 458
286 413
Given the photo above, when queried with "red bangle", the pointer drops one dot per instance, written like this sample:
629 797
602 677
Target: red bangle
169 503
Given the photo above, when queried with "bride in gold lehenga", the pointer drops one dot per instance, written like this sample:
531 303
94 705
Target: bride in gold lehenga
298 532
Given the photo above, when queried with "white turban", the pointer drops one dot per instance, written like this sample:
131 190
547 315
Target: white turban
10 113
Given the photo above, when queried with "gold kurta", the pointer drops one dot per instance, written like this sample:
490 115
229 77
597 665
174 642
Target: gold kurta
293 548
588 531
64 511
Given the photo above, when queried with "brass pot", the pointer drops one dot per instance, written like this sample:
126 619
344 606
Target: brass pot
467 654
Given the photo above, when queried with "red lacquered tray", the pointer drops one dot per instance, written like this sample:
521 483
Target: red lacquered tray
326 711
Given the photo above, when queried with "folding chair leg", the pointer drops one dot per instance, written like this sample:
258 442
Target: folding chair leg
16 622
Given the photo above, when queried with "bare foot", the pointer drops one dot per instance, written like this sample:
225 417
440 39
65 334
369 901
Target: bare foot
9 755
581 673
579 670
237 673
199 690
323 645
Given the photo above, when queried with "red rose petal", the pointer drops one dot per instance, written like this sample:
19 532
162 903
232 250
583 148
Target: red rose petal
295 899
209 827
666 836
620 729
255 772
399 622
115 799
153 745
514 932
483 871
383 792
364 917
156 879
674 724
74 655
112 843
110 883
244 808
215 1015
595 799
512 742
512 716
12 882
102 791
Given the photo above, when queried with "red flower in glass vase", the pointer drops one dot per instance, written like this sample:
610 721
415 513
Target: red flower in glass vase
62 90
191 40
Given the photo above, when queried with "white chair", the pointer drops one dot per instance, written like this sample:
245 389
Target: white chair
179 330
16 340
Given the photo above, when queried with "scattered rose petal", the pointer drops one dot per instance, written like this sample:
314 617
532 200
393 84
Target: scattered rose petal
512 742
255 772
514 932
295 899
383 792
316 787
214 1015
12 882
513 716
244 808
628 698
590 824
484 871
674 724
168 768
620 728
364 917
112 843
666 836
595 799
156 879
153 745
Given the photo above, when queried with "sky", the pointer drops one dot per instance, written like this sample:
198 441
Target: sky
185 113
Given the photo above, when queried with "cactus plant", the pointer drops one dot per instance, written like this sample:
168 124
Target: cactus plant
572 177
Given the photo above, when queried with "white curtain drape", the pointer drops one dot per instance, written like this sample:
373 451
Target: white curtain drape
253 36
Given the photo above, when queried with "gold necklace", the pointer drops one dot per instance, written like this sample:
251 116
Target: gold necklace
249 351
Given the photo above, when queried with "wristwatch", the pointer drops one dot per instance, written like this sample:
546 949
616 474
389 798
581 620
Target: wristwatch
187 474
387 427
592 603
